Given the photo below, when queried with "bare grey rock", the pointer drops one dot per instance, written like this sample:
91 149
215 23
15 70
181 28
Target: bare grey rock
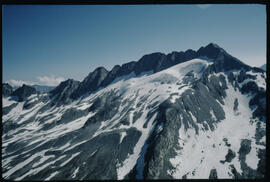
91 83
6 89
61 94
23 92
213 174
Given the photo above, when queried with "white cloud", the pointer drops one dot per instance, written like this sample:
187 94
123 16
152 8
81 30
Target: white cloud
204 6
50 80
41 80
18 83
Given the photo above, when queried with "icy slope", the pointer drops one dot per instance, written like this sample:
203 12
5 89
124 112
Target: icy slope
187 121
41 137
219 150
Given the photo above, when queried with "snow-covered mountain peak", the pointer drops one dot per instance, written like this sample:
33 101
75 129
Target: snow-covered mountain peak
190 116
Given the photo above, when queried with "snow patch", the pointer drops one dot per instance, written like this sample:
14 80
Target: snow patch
72 156
207 149
252 159
131 160
75 172
51 175
7 101
123 134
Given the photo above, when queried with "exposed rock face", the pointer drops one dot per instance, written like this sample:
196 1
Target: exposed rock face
6 89
113 74
173 59
222 60
229 157
213 174
211 51
127 68
91 83
23 92
156 62
7 109
198 103
170 124
247 171
148 62
63 91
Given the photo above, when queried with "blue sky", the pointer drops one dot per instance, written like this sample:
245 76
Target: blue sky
46 44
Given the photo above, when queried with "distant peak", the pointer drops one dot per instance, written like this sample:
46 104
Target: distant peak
23 92
26 86
211 51
154 55
213 45
101 68
68 82
7 84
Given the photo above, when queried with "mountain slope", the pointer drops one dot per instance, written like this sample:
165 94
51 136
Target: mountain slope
155 62
263 67
43 88
201 118
6 90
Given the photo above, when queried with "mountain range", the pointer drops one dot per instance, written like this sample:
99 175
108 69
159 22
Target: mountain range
39 88
193 114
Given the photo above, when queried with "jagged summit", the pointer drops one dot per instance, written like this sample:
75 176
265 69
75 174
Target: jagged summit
6 89
23 92
90 83
156 62
64 90
186 116
211 51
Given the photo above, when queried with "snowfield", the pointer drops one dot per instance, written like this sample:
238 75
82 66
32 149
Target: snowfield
208 148
32 144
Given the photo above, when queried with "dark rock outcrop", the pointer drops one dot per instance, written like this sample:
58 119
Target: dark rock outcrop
229 157
247 171
148 62
127 68
213 174
210 51
7 109
99 136
174 58
173 116
156 62
114 73
251 86
91 83
105 107
243 76
23 92
262 69
6 89
222 60
63 91
259 100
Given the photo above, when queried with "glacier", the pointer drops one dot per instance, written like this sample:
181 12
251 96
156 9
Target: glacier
186 121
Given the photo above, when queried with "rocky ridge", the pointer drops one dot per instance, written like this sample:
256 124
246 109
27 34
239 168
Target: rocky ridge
164 120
